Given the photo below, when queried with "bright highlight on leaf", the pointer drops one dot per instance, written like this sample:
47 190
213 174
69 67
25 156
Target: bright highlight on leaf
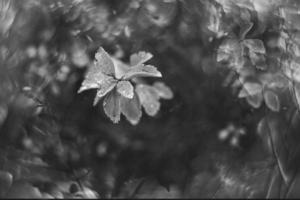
112 79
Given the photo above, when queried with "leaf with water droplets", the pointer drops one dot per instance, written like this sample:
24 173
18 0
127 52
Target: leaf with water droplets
105 88
142 71
125 88
104 63
131 109
99 72
111 106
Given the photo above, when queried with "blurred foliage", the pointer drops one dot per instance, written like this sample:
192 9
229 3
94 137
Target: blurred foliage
230 129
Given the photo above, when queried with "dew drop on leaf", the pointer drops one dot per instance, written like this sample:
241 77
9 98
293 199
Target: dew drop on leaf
125 88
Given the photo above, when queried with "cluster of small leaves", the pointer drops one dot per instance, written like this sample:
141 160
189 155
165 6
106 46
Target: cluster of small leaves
267 69
118 83
249 59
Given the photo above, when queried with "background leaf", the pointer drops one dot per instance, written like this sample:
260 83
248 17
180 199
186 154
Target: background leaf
272 100
255 45
226 49
6 180
163 91
148 98
24 190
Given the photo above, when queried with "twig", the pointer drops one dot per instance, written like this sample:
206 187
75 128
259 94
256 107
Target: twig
138 188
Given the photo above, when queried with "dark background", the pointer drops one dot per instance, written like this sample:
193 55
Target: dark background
54 142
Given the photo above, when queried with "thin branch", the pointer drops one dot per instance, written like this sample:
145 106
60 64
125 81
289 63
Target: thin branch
138 188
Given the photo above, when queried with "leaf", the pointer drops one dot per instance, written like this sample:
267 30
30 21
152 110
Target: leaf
262 131
250 88
272 100
120 68
148 98
140 58
294 191
274 185
227 49
255 100
111 106
131 109
6 180
276 126
104 62
255 45
24 190
258 60
8 14
142 71
296 90
105 88
292 70
99 72
163 91
125 88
